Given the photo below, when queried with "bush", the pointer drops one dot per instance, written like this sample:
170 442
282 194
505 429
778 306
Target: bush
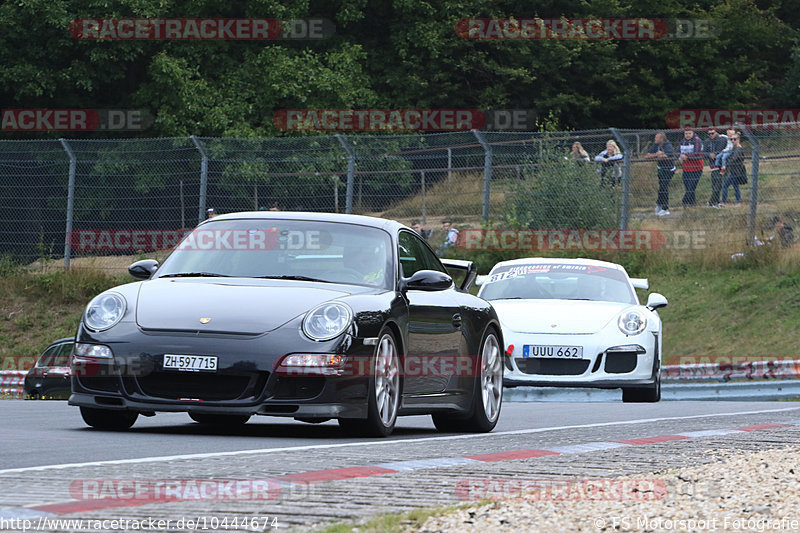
559 194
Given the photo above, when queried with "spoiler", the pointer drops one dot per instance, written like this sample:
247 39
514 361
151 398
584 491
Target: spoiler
640 283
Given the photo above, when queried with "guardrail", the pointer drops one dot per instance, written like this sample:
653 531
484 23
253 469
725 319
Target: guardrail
749 380
11 382
730 371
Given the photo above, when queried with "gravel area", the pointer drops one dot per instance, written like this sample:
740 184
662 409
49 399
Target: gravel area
752 491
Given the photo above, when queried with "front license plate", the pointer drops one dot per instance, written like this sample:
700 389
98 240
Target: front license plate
560 352
190 363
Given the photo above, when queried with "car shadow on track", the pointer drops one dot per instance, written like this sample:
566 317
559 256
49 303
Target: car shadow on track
262 430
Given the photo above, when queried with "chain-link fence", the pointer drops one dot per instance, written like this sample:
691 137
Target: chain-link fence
76 198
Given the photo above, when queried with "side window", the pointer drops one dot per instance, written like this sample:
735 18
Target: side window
47 357
415 256
408 252
62 359
66 348
429 258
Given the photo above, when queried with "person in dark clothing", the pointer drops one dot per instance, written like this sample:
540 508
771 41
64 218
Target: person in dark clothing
714 146
662 152
692 156
735 170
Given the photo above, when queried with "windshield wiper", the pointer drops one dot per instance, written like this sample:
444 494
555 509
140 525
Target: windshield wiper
295 278
195 275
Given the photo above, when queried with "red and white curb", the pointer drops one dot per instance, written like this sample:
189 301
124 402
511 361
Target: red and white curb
396 467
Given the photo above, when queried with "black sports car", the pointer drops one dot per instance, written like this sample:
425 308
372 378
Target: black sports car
49 379
307 315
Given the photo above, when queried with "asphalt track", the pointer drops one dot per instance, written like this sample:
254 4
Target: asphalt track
47 455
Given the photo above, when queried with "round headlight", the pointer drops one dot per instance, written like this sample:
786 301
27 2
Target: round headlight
632 322
327 321
104 311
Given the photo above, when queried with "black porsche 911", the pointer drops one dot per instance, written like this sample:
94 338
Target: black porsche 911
306 315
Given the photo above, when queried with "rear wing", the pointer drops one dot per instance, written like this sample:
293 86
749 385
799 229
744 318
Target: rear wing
462 272
640 283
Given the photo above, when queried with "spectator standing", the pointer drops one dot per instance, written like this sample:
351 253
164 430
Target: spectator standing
610 159
663 153
450 239
416 226
691 149
714 147
735 170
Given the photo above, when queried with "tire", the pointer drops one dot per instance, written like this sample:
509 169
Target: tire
487 394
108 419
219 420
383 400
650 394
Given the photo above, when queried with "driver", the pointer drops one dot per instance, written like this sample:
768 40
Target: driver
368 260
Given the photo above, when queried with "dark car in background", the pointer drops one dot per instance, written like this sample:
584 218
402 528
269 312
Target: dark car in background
305 315
50 377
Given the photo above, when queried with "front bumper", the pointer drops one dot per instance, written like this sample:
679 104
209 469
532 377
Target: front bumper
609 361
245 382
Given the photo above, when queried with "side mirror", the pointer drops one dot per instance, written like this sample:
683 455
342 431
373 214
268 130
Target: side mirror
143 269
656 301
426 280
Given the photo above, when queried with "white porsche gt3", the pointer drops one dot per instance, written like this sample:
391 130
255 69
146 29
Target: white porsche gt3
577 323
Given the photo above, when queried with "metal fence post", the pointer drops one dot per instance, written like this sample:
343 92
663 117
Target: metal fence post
751 217
201 209
335 194
351 172
487 172
424 210
449 164
73 165
626 178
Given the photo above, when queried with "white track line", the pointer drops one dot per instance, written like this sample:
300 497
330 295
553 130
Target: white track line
384 442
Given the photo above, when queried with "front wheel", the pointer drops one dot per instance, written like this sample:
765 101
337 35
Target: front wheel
649 394
487 395
384 392
107 418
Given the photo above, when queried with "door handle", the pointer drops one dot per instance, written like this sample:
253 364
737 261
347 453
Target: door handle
456 320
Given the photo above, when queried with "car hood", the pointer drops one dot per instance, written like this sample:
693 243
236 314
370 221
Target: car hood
556 316
239 307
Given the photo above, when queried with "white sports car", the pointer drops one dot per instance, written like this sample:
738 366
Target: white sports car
577 323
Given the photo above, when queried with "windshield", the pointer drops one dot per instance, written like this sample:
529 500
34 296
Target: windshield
549 281
284 249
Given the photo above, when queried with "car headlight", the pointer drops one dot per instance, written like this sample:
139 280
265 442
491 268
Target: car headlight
104 311
327 321
632 322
